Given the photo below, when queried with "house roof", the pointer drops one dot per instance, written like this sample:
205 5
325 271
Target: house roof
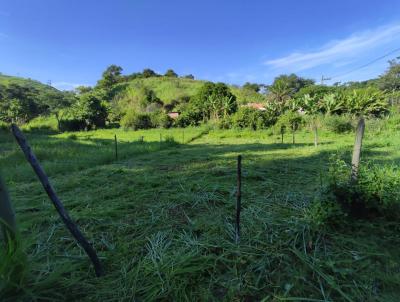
258 106
173 114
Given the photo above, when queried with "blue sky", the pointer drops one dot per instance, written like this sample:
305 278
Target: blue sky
72 42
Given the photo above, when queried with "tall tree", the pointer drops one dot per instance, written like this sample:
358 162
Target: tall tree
111 76
147 73
390 80
171 73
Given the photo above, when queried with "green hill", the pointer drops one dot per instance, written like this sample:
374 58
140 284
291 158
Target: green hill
6 80
168 89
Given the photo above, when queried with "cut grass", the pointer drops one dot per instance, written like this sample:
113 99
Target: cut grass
162 219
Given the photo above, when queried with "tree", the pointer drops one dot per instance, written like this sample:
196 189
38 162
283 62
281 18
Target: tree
57 102
189 76
19 104
292 82
253 87
390 80
89 109
170 73
110 77
147 73
83 89
214 100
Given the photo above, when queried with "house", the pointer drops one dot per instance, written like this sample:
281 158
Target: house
257 106
173 115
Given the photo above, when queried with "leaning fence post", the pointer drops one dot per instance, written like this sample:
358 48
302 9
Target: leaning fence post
238 198
355 162
71 226
116 147
7 215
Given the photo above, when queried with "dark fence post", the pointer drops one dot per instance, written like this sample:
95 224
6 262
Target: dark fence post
238 198
71 226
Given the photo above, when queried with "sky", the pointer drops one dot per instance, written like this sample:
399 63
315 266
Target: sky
70 43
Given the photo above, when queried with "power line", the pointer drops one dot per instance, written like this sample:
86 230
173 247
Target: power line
367 64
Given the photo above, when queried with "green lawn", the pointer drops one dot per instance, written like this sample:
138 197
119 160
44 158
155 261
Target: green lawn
162 218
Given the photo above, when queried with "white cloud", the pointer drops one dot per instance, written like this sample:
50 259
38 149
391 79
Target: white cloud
67 85
338 50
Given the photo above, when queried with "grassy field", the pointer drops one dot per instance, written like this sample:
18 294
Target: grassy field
162 218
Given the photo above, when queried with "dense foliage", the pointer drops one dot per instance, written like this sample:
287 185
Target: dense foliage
124 100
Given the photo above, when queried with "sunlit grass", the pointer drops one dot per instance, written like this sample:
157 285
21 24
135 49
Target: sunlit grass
162 218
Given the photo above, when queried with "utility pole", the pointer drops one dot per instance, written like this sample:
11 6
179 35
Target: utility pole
324 79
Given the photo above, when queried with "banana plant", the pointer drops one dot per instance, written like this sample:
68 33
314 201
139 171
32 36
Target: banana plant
333 103
367 101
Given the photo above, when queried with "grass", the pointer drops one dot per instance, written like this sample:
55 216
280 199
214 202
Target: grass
162 218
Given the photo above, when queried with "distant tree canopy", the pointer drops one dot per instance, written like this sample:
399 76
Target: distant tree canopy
21 102
252 86
133 101
390 80
285 87
214 101
111 76
90 110
170 73
189 76
148 73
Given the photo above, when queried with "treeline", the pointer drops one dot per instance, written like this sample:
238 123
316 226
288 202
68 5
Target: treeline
114 101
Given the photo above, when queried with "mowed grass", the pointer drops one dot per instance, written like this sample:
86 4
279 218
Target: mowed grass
161 218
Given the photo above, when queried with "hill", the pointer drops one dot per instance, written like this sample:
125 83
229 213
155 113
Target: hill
23 99
6 80
169 88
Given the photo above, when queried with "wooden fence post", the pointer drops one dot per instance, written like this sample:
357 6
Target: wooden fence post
315 136
238 198
355 162
7 215
71 226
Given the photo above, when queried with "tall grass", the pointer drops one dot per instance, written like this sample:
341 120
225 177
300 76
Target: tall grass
162 219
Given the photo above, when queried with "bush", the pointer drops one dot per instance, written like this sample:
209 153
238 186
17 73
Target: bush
4 126
161 120
376 193
188 118
72 125
135 121
225 122
338 123
252 118
290 121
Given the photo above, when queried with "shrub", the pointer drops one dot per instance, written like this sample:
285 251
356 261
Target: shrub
252 118
338 123
170 141
160 120
290 121
188 118
4 126
72 125
324 211
136 120
225 122
376 193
